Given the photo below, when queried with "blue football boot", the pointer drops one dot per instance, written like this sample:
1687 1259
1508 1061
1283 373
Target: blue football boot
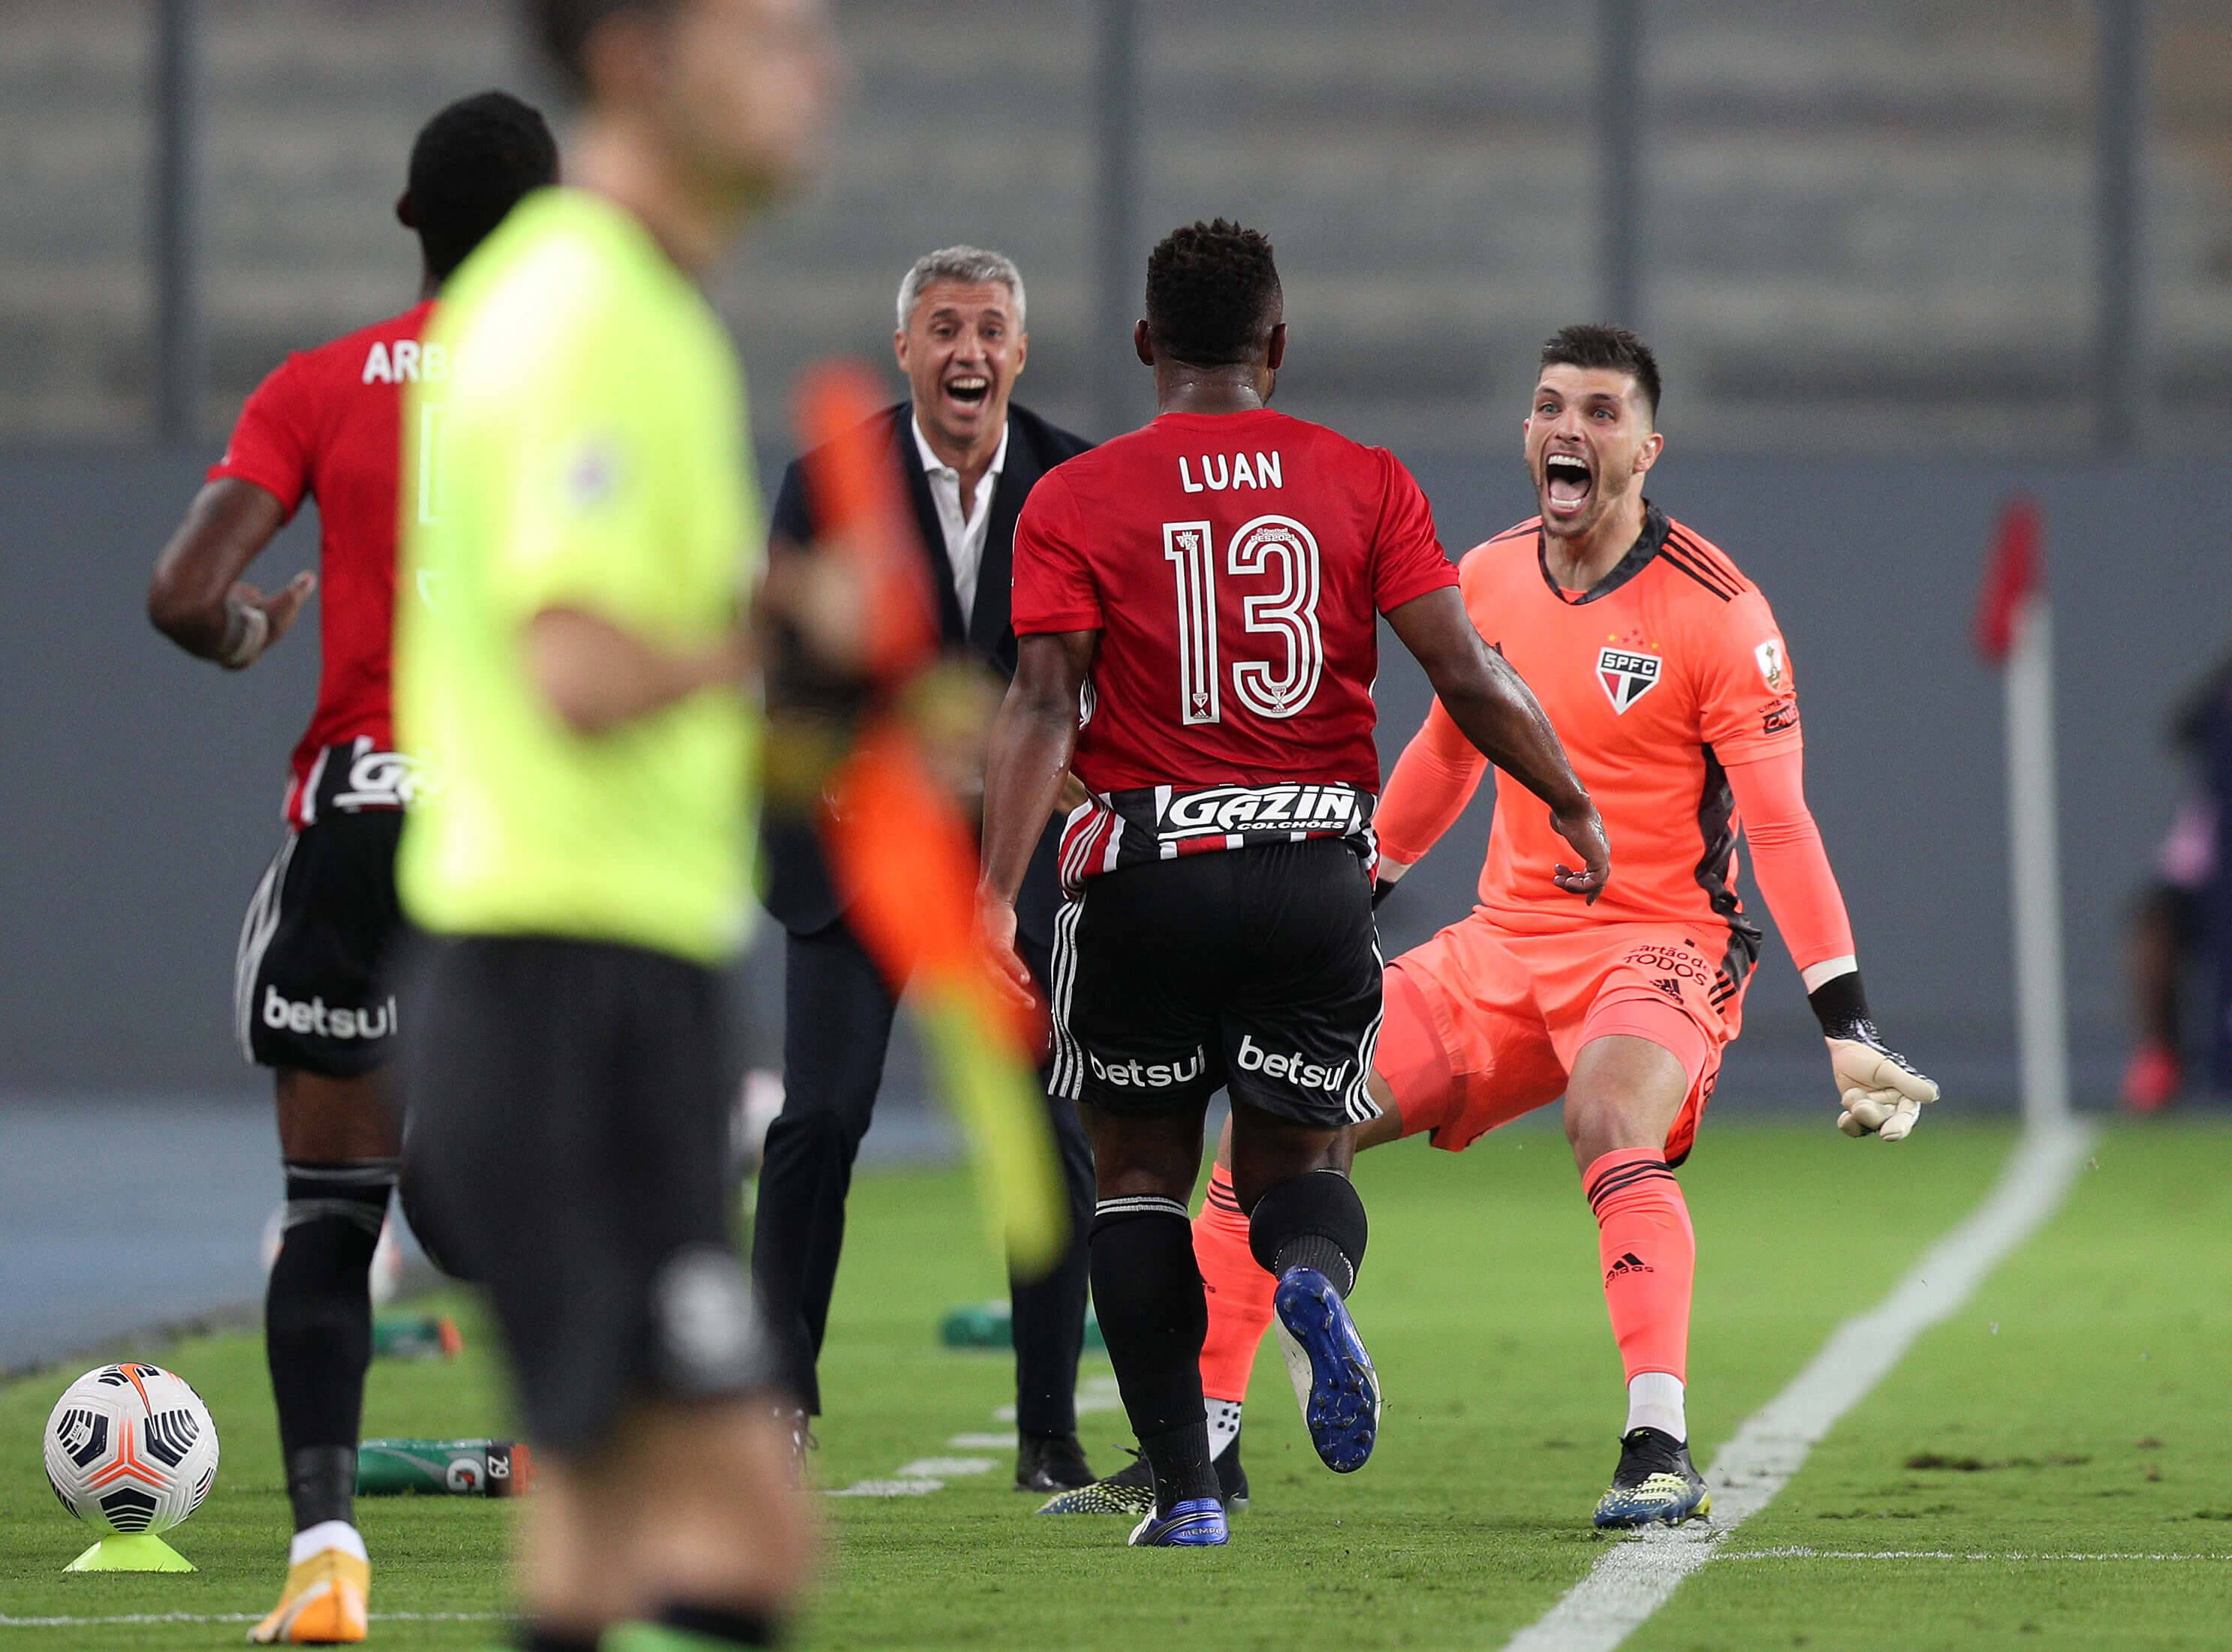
1334 1382
1192 1523
1130 1492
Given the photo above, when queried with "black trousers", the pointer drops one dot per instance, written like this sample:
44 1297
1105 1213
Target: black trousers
837 1025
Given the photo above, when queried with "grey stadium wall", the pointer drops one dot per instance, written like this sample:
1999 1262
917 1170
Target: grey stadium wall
142 788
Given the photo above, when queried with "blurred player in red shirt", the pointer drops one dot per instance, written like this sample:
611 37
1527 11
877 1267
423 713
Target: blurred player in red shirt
309 998
1212 586
1665 674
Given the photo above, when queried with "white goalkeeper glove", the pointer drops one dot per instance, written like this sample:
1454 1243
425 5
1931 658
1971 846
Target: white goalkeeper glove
1883 1093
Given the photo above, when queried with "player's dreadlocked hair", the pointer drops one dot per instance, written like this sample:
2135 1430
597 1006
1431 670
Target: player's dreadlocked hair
468 167
1212 291
1593 344
564 28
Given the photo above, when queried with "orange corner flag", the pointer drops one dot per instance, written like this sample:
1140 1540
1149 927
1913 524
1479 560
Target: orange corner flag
861 513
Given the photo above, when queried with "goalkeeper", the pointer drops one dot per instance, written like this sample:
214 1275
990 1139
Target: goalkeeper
1665 675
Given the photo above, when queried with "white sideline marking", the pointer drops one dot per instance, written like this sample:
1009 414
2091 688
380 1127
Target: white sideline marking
944 1467
1940 1554
890 1488
1640 1574
927 1475
235 1618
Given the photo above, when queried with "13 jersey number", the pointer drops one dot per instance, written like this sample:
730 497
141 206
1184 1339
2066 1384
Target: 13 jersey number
1268 546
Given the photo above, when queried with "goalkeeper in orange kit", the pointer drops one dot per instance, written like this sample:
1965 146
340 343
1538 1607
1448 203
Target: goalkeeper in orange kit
1664 671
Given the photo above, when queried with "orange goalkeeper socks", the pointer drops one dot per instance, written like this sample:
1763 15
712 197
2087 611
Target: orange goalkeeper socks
1650 1257
1239 1292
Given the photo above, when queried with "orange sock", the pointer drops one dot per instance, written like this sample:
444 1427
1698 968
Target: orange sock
1239 1292
1650 1257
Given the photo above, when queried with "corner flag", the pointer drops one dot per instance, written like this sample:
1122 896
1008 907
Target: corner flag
2014 631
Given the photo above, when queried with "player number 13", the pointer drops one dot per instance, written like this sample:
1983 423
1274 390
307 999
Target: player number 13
1265 547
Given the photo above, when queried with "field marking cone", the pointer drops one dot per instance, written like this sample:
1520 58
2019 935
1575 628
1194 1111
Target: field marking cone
145 1552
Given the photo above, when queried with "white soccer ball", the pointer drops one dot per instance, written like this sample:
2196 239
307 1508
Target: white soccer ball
131 1448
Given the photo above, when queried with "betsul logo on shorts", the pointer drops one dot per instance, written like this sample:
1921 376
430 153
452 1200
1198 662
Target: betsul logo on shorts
291 1016
1309 1075
1146 1075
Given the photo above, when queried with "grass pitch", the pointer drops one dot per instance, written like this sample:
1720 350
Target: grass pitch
2071 1408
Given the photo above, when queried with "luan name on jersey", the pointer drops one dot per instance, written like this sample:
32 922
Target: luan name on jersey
1230 690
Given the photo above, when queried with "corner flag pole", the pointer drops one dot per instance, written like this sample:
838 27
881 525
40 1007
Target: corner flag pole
2014 631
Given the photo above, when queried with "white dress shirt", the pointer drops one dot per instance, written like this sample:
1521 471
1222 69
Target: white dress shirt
964 535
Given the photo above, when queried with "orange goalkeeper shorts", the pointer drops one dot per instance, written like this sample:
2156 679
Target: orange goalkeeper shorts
1481 1026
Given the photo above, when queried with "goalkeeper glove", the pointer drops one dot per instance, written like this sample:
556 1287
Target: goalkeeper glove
1883 1094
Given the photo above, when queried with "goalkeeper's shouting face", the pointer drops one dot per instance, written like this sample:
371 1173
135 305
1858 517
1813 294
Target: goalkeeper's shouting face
1589 439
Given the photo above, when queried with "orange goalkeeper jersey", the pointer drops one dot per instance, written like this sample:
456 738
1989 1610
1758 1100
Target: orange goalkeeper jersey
1670 668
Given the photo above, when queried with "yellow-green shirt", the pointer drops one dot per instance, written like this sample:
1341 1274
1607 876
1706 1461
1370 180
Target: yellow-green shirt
584 447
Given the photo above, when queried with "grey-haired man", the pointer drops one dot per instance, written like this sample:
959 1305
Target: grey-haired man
967 457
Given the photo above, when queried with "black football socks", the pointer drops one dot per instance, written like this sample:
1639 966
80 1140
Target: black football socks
1146 1288
317 1328
1313 1221
724 1626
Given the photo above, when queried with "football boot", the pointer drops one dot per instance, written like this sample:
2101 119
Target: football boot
325 1603
1192 1523
1050 1462
1130 1491
1655 1484
1335 1382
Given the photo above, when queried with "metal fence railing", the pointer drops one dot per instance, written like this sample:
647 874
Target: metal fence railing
1973 226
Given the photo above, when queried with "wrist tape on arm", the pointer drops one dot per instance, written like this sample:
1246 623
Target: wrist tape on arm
247 629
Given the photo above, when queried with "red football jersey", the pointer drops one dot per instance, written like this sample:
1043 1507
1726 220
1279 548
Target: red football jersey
1235 565
327 423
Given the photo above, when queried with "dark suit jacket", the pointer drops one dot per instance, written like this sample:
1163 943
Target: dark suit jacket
799 891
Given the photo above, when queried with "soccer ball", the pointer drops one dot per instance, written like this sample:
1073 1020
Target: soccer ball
131 1449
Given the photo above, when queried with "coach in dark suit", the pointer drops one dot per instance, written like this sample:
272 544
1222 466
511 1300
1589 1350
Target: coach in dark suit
969 457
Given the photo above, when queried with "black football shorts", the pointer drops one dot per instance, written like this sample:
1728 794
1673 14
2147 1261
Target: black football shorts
570 1140
309 979
1253 970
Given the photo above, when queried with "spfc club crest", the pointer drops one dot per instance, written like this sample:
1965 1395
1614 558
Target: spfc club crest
1627 674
